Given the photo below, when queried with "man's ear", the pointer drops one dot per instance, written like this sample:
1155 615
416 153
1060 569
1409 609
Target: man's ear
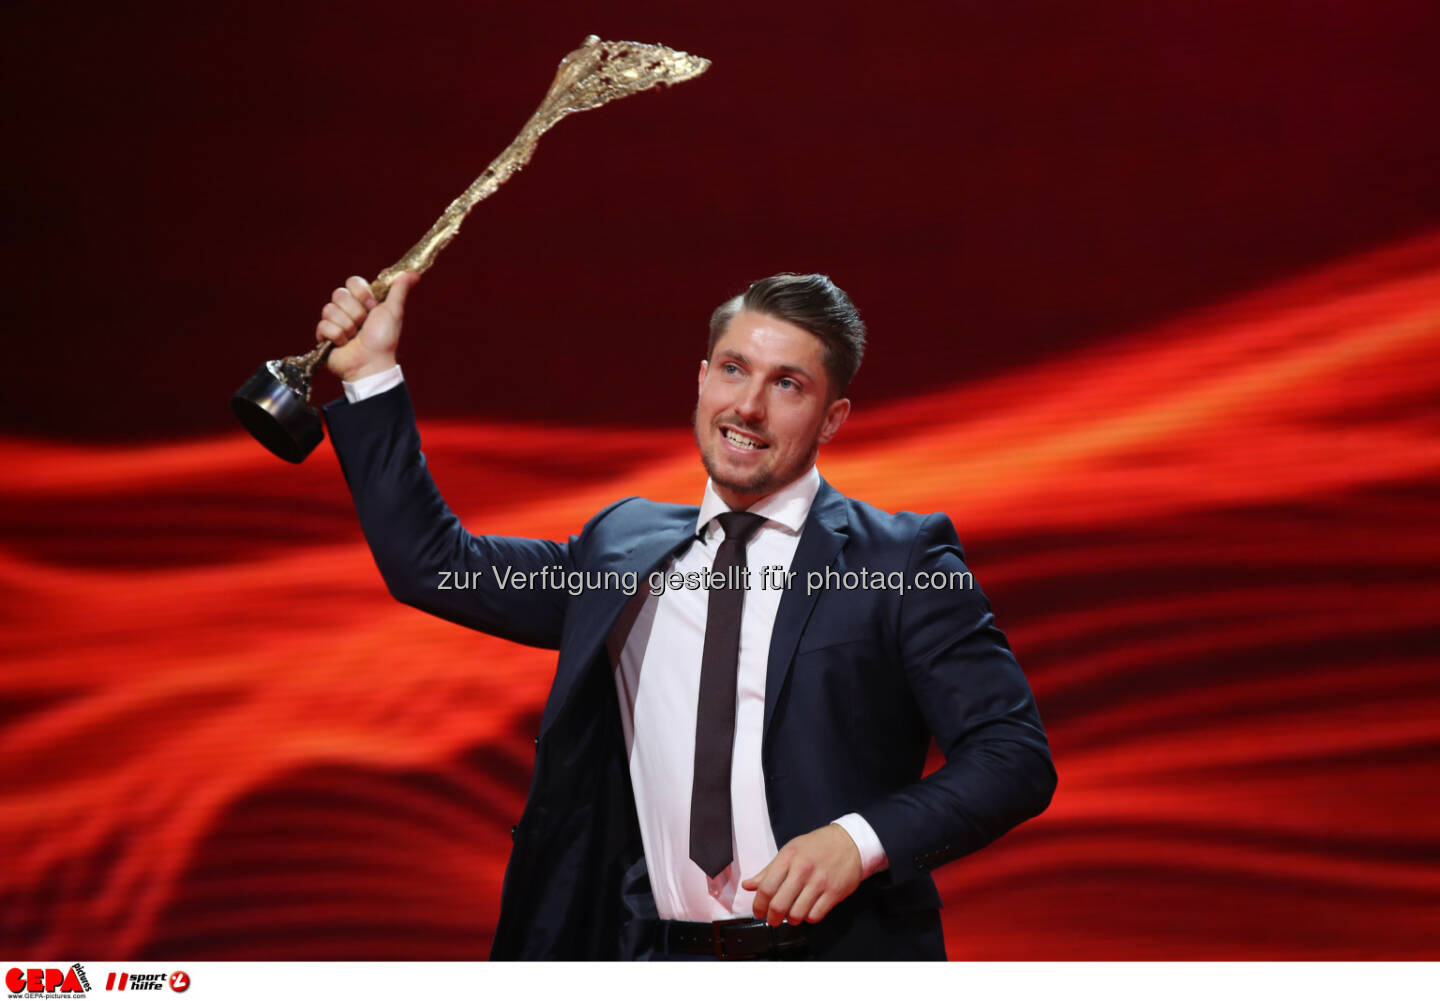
835 415
700 382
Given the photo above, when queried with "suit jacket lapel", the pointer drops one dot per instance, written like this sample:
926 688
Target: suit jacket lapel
826 531
647 555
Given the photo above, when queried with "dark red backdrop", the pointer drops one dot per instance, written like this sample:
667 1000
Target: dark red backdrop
1154 291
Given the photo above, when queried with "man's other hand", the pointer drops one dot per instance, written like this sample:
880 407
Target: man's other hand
810 875
363 331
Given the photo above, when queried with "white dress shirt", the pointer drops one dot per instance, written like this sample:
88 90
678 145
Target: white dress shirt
663 650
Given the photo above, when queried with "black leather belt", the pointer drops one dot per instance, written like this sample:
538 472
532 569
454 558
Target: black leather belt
738 938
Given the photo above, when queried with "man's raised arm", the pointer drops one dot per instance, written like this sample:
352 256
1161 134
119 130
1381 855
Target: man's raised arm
419 545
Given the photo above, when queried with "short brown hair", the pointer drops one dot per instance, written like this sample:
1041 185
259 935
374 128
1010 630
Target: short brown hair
812 302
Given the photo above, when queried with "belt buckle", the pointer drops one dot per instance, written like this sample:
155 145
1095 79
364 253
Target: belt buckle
718 935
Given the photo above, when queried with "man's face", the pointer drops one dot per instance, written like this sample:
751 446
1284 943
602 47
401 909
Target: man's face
763 413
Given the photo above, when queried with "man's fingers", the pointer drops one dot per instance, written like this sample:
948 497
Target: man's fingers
336 316
360 289
761 906
800 871
778 909
325 330
767 882
399 290
348 304
822 907
754 881
800 910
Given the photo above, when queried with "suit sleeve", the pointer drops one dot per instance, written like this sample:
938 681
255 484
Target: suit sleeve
417 540
978 705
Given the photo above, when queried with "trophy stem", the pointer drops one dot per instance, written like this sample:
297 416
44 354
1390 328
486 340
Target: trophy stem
297 371
274 403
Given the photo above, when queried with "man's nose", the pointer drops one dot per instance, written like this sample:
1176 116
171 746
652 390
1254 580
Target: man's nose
751 404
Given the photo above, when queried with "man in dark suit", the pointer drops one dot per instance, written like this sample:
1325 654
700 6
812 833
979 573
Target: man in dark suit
729 761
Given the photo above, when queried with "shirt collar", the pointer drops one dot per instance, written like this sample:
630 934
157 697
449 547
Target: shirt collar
787 507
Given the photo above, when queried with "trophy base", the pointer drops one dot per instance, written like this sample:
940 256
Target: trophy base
279 417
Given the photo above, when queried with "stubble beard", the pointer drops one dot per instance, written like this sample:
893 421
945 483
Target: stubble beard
764 481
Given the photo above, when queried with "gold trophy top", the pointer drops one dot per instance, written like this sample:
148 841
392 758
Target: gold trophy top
274 403
593 75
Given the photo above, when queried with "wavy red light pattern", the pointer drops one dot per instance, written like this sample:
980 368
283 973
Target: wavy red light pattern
1213 545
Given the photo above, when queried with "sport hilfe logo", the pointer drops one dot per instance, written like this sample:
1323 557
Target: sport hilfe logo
177 981
51 980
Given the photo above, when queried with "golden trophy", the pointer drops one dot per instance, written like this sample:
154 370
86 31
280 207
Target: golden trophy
274 403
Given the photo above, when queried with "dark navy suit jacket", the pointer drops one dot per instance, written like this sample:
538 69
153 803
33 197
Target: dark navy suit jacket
859 680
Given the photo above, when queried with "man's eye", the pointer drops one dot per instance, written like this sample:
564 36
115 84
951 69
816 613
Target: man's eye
788 384
730 368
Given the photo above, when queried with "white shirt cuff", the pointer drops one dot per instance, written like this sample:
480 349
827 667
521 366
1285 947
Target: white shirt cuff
872 853
370 385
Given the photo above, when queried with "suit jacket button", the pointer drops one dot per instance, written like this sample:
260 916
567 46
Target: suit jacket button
513 830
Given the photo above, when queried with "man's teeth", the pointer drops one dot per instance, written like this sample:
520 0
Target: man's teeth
740 440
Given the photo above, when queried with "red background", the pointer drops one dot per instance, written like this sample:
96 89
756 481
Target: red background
1154 293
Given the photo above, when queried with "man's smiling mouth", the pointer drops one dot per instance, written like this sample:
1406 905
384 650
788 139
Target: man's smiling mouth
741 440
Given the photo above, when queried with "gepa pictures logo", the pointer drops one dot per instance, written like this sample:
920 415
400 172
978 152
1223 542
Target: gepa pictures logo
48 981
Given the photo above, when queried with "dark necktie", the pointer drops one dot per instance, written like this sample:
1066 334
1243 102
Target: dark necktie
710 822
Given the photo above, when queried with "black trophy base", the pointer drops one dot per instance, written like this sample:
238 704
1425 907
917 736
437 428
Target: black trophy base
278 416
